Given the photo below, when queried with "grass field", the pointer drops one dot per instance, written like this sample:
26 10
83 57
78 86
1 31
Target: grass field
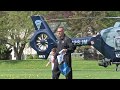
35 69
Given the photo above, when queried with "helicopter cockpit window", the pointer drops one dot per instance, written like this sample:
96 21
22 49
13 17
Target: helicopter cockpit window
111 37
117 40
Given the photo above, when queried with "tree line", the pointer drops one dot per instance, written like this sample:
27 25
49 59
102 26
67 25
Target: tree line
16 27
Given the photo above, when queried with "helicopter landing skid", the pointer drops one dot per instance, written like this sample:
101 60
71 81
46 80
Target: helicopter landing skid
117 64
104 62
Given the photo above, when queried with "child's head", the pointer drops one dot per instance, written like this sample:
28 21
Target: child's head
53 51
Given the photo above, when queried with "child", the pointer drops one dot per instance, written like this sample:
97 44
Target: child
51 59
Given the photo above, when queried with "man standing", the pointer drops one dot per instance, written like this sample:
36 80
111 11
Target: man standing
64 44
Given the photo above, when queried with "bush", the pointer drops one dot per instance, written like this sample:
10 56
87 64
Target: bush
29 57
36 57
5 53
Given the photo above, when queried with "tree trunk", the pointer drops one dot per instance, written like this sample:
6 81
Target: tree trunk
19 52
18 57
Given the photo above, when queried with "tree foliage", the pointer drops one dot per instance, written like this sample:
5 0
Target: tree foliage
16 26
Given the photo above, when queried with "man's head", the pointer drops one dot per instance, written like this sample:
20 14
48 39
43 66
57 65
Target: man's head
60 32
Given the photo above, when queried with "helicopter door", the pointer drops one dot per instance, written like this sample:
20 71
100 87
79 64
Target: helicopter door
117 46
117 43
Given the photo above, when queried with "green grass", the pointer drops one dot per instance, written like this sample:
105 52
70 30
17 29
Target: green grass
35 69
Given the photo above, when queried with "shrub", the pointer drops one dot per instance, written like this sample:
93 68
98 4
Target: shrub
36 56
29 57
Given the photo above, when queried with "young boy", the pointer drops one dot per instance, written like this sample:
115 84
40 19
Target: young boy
51 59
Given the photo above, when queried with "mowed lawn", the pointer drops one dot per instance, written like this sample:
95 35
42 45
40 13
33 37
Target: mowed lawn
36 69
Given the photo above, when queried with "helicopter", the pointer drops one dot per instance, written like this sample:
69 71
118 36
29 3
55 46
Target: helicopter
107 41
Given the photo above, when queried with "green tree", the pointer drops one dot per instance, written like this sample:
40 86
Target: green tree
18 28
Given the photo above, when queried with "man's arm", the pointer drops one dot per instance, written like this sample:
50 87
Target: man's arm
70 45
